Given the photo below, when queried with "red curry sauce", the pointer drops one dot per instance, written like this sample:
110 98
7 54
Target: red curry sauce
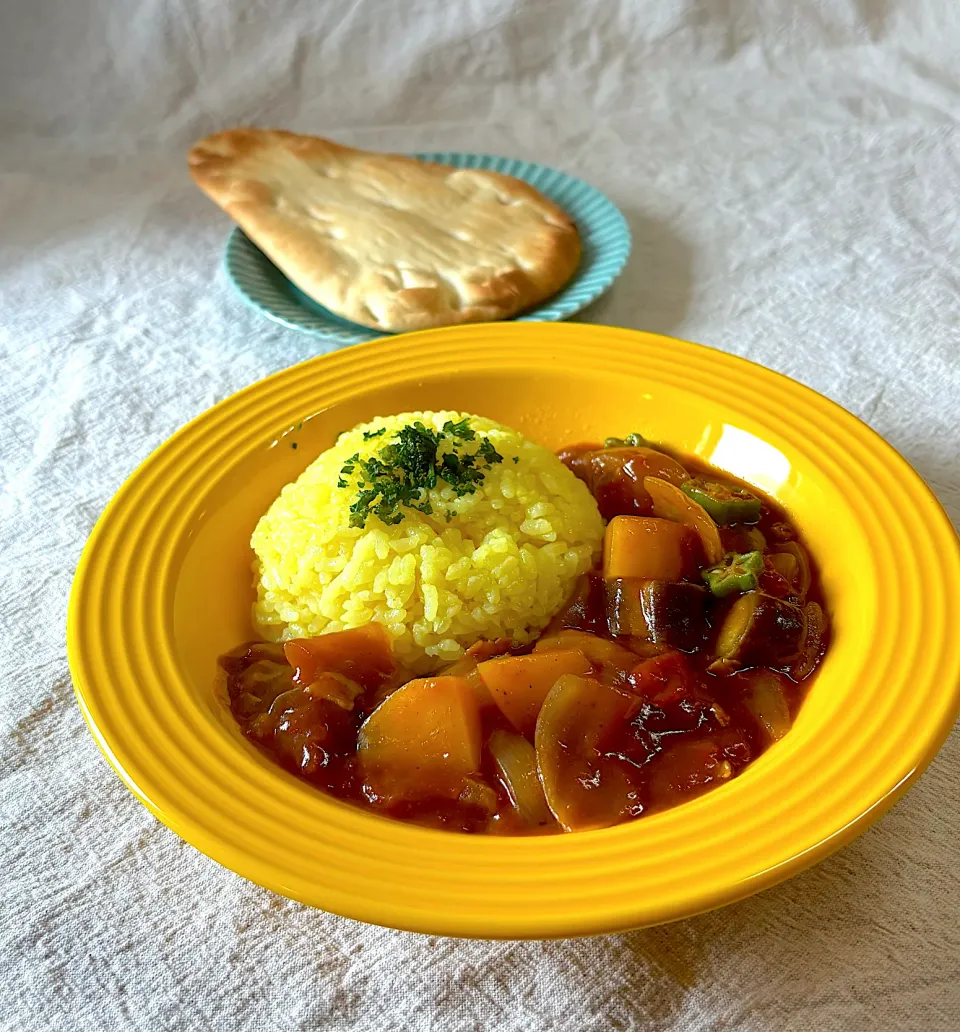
598 723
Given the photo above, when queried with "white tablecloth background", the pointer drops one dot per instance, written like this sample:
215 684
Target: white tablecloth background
790 170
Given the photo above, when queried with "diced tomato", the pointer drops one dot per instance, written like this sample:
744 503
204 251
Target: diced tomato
773 583
306 734
690 766
664 679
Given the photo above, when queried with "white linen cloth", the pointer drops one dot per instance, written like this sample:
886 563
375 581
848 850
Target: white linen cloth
790 170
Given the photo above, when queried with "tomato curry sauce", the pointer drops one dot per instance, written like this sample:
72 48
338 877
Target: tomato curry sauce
675 664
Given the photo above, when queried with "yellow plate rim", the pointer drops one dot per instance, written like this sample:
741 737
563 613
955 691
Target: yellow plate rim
421 880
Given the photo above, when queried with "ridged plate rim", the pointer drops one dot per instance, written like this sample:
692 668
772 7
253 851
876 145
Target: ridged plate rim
348 862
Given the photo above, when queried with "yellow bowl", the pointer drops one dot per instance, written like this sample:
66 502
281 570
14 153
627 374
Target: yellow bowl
164 586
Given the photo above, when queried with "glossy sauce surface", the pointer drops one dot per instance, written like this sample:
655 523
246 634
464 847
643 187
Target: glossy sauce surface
638 723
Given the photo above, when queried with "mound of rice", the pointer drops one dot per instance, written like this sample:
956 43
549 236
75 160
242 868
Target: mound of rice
502 565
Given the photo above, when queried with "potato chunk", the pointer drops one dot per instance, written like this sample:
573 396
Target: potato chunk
519 684
422 741
647 548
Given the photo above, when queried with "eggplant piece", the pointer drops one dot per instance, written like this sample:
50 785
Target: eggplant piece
759 630
670 613
585 609
615 478
625 610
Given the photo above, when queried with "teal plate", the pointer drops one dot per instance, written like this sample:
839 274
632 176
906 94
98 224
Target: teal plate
604 237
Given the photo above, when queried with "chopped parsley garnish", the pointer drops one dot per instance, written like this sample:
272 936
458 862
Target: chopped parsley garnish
368 435
461 429
417 458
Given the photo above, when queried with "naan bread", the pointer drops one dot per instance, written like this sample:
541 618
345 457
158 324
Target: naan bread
385 241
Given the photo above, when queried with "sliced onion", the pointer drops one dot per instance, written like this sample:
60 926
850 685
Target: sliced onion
801 578
479 794
767 701
265 680
812 642
516 763
265 670
335 688
612 661
670 503
755 539
786 565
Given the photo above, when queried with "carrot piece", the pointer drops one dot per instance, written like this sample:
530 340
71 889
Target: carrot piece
364 654
646 548
519 684
422 741
672 504
611 662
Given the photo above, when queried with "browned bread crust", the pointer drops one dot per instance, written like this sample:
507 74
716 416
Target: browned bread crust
387 241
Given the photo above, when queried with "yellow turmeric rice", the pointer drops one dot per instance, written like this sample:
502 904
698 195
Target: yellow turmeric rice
494 562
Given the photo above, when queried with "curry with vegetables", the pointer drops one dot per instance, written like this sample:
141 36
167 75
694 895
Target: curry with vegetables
677 661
